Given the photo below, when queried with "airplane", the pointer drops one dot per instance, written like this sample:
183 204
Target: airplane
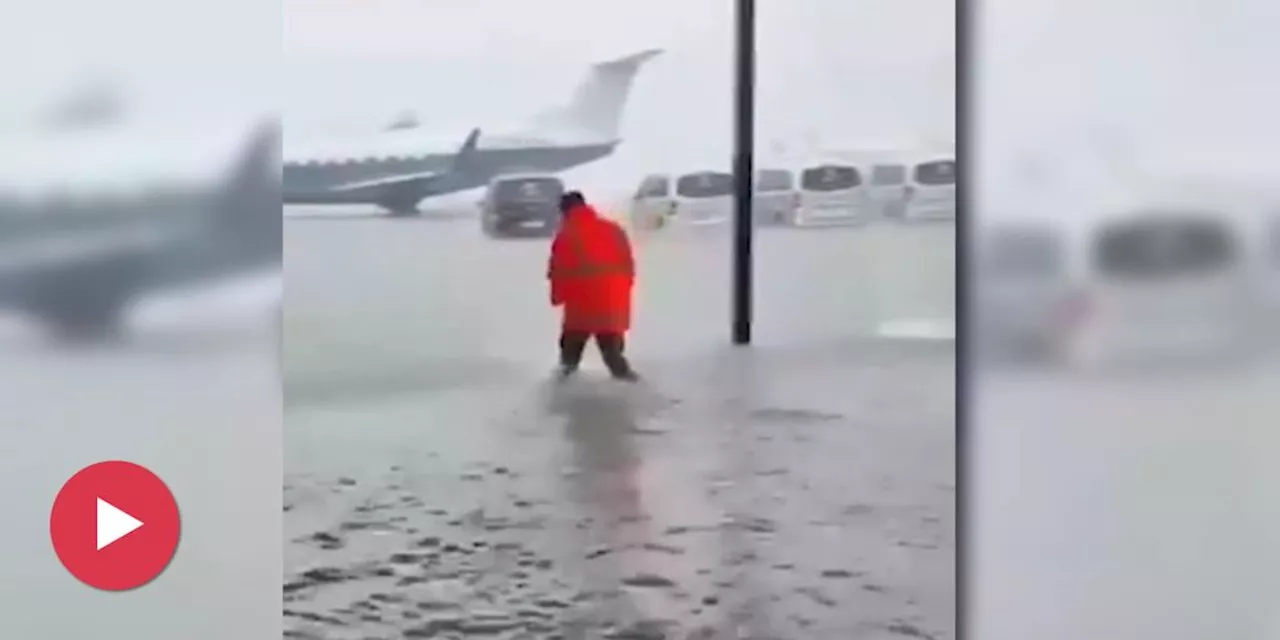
80 242
403 165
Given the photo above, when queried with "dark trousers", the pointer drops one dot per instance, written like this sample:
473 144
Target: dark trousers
611 345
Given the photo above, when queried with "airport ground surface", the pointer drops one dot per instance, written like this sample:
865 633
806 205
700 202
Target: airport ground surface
437 485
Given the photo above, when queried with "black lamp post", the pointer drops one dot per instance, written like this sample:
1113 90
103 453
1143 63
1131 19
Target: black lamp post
743 167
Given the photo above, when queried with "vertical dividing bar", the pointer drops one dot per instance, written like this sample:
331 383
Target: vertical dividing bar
743 170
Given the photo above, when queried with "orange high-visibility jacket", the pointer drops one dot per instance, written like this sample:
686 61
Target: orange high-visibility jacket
592 273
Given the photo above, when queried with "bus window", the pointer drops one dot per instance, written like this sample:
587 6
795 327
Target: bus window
936 173
830 178
707 184
772 180
654 187
888 175
1163 248
1022 253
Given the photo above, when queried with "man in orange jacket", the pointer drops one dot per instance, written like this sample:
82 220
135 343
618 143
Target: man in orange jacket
592 273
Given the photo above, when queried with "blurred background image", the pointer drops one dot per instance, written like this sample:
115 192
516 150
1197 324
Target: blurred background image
1124 302
1123 398
139 297
436 483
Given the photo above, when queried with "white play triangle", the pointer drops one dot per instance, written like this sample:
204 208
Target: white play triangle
113 523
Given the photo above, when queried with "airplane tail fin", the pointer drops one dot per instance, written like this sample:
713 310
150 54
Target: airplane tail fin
467 152
600 99
247 210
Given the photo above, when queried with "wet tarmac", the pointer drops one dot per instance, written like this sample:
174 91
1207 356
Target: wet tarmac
439 484
1141 506
192 393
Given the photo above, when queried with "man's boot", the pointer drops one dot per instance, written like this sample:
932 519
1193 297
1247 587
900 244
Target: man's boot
571 347
611 351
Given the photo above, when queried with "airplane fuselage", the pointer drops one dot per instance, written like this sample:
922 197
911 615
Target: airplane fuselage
314 182
75 260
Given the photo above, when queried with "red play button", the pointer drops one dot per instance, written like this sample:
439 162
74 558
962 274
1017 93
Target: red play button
114 525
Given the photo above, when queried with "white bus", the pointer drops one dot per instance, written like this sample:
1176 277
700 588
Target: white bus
775 198
1022 286
932 191
1147 280
1162 281
887 190
695 198
832 193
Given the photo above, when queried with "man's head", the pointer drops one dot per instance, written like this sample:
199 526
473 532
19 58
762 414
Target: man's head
571 200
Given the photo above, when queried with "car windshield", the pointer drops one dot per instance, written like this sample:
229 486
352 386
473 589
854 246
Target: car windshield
528 190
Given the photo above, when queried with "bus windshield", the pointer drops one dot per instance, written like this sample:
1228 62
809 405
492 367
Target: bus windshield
1163 248
936 173
706 184
770 180
1022 253
830 178
888 175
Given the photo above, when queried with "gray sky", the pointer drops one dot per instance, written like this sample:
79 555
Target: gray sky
1156 76
879 68
170 58
839 68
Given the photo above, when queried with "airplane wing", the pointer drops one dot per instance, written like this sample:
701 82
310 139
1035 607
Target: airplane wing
63 251
419 178
398 179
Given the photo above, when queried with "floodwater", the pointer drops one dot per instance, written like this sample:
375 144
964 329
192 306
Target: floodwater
438 485
1125 506
193 395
